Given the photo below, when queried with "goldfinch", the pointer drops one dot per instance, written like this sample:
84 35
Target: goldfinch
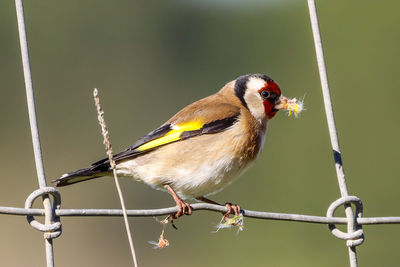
203 147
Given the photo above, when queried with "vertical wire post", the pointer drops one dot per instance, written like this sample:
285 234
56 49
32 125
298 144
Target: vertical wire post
33 124
331 124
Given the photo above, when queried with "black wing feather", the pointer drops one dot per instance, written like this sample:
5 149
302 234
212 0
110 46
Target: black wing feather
211 127
208 128
130 151
157 133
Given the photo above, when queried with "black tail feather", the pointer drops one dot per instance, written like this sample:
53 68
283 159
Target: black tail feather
98 169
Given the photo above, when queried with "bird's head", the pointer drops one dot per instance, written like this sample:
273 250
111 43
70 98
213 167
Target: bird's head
260 94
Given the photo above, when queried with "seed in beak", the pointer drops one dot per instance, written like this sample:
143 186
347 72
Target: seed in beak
293 106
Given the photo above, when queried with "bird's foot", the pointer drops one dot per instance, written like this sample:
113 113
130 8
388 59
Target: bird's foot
231 208
183 207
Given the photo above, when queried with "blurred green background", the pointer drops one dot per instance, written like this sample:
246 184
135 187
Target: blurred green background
151 58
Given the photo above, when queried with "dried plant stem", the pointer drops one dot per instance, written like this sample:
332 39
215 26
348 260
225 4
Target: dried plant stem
107 144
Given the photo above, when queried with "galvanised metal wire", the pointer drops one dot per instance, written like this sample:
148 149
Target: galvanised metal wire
34 128
52 213
200 206
351 225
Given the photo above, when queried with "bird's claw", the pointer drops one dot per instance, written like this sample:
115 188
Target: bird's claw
229 209
184 208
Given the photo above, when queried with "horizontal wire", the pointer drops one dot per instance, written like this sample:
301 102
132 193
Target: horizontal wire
202 206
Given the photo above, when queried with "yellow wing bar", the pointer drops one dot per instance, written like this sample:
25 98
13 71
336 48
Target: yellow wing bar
172 136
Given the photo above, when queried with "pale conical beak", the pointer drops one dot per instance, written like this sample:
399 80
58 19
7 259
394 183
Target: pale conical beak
281 103
291 105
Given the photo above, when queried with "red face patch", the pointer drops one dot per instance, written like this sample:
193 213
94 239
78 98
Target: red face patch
272 87
269 109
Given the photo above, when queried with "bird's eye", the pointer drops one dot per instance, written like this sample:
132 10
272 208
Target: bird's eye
265 94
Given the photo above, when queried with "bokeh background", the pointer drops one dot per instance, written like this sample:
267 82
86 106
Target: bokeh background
151 58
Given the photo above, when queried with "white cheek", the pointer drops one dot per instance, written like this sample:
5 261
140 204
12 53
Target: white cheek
255 84
255 105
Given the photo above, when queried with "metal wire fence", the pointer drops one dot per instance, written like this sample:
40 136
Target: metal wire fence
52 211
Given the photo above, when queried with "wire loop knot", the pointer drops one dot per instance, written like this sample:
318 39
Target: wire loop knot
355 238
52 230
